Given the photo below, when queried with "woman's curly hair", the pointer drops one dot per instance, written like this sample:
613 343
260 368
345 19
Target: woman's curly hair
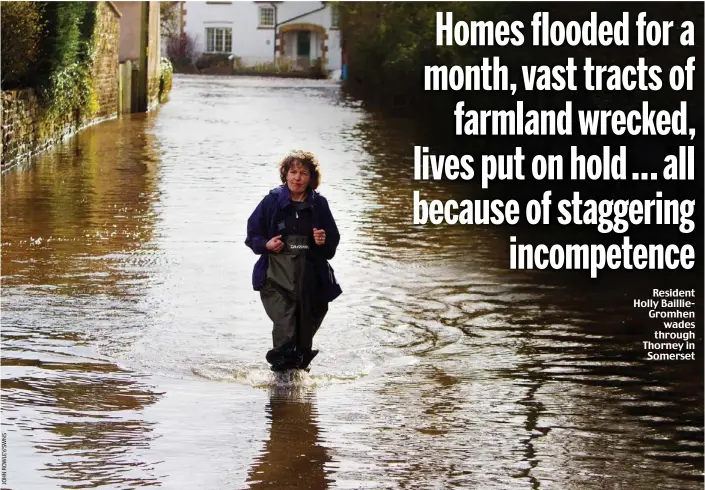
308 160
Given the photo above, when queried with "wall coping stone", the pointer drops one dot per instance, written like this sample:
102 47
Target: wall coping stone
115 9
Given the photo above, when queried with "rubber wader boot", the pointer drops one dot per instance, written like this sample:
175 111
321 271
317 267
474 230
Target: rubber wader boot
307 358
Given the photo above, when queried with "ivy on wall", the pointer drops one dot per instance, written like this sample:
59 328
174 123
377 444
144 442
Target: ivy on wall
64 81
53 53
21 31
166 74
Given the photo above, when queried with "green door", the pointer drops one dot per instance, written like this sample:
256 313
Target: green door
303 44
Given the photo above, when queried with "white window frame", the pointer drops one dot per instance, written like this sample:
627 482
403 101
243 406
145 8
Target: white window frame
262 9
214 44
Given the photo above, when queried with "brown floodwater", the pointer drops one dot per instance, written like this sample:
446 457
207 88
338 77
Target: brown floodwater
133 345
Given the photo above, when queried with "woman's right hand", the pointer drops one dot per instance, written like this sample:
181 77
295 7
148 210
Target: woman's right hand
275 244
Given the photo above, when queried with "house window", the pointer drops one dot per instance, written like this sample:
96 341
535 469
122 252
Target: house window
266 16
219 40
334 16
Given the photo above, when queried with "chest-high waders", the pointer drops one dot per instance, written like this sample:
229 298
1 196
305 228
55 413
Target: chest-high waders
291 295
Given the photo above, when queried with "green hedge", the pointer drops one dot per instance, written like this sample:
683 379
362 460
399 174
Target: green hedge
64 81
166 75
49 46
21 26
214 63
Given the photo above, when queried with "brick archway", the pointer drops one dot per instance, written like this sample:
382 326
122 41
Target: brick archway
304 27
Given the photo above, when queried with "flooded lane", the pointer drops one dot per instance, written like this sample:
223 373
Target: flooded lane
133 345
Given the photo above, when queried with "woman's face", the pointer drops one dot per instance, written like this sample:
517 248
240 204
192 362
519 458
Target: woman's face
298 177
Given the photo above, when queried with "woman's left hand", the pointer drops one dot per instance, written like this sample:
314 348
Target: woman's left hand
319 236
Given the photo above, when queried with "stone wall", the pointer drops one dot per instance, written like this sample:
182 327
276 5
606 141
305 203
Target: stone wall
154 57
106 65
26 127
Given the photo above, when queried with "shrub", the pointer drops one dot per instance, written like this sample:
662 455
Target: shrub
180 50
318 69
237 63
21 26
214 63
285 65
63 79
165 79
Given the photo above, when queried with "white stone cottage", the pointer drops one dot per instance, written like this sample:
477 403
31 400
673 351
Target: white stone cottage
262 32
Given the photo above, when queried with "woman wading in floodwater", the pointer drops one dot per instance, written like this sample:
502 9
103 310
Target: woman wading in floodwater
293 231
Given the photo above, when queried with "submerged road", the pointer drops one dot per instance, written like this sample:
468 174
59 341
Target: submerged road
133 345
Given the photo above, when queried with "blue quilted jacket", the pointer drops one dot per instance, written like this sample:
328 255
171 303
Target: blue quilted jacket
262 226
